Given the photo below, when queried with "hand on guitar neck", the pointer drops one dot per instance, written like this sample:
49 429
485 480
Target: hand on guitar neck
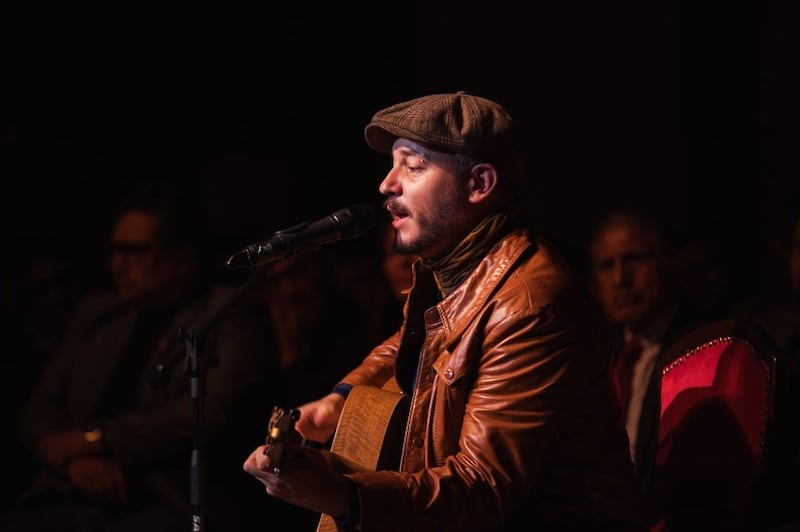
296 470
284 441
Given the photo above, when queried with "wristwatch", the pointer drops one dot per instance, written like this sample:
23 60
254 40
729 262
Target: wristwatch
93 435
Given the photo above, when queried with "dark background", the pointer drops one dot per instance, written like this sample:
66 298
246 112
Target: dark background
258 108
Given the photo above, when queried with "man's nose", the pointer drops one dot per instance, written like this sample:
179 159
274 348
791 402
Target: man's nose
390 184
621 273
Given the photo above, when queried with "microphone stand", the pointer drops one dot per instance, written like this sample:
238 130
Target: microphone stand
196 364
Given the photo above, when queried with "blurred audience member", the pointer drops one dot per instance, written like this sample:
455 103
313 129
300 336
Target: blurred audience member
635 281
317 326
114 448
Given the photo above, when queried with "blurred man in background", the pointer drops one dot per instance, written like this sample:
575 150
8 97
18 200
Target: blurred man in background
114 436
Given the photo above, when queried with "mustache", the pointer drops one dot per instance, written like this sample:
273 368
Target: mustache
395 207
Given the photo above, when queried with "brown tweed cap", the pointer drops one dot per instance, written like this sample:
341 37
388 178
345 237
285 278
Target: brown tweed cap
452 123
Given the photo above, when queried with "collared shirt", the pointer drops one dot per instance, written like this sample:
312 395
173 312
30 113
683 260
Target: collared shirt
642 373
652 340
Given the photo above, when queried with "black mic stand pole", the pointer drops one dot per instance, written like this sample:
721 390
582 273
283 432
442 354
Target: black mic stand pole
196 364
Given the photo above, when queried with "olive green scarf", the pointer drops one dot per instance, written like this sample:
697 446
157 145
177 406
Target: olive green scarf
450 270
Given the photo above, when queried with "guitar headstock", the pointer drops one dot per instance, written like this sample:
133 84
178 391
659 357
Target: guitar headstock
282 438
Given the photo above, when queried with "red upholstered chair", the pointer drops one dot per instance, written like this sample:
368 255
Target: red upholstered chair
718 390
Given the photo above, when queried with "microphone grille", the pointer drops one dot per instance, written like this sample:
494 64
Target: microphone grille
355 220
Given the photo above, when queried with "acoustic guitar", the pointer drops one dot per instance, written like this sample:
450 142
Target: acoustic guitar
368 437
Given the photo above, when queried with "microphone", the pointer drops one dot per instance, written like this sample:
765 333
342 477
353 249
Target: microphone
343 224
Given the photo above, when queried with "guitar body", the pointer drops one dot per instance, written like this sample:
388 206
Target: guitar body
370 432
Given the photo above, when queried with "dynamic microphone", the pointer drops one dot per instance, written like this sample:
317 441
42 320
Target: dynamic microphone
343 224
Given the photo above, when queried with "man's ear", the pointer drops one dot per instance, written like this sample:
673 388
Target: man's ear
482 182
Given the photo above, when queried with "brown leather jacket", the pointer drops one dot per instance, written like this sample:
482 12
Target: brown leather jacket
511 424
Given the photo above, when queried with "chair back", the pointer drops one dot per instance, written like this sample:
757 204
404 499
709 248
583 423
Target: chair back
717 391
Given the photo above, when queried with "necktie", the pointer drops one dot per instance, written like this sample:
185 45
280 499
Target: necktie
623 373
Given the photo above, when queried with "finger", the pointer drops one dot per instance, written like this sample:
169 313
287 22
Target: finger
257 463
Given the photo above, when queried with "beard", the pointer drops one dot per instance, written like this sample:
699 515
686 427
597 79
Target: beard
434 224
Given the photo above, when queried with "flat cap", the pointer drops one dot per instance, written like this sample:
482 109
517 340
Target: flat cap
453 123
